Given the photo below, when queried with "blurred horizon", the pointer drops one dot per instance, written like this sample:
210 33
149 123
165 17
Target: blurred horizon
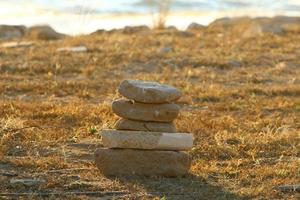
84 16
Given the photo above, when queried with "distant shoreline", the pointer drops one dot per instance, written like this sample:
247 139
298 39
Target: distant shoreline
245 27
74 24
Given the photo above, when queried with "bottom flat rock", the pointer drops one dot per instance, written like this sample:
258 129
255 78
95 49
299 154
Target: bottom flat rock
126 162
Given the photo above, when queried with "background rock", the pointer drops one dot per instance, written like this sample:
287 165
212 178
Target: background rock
8 32
252 27
195 27
44 33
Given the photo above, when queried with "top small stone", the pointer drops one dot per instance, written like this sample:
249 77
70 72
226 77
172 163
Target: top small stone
148 92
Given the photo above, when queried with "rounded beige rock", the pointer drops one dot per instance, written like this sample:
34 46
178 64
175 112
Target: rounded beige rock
148 92
145 112
127 124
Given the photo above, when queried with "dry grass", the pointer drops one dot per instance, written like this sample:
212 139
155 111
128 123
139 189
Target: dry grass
244 111
159 11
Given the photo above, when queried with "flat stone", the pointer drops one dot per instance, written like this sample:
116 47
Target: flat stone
145 112
27 181
148 92
16 44
73 49
127 124
147 140
128 162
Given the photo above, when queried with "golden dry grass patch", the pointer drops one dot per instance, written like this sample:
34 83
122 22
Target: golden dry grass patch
243 109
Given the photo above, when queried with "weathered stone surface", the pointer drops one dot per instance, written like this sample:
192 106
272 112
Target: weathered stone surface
195 27
148 92
247 27
135 29
44 33
27 181
147 140
145 112
127 124
8 32
126 162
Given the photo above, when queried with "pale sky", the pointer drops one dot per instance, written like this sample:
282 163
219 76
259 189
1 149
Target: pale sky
84 16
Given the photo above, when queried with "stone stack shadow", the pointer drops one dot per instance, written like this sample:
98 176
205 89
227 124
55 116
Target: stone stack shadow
145 141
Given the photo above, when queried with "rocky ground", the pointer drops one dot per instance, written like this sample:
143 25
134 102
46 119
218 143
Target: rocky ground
241 101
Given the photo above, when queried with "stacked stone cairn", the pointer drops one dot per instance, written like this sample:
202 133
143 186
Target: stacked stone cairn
145 141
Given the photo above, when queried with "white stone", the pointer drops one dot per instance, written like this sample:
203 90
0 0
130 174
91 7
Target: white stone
147 140
73 49
16 44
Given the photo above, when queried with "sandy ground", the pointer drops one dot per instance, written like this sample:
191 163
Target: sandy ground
241 101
